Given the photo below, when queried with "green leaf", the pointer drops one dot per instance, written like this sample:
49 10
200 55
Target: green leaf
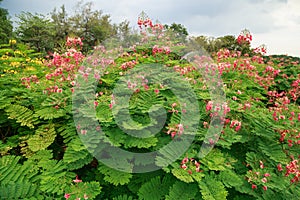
181 190
50 113
184 176
155 189
215 160
43 137
230 179
211 189
76 155
113 176
22 115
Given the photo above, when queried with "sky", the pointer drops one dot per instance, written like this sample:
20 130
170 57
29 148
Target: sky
274 23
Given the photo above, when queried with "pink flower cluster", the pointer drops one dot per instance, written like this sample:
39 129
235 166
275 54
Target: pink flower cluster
293 168
156 49
187 164
236 125
73 42
184 70
244 37
31 79
68 195
175 130
257 177
129 64
260 50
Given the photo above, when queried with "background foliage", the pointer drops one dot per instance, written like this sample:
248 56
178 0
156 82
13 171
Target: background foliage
42 156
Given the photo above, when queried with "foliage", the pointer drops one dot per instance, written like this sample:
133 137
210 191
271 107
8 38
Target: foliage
44 155
6 27
36 30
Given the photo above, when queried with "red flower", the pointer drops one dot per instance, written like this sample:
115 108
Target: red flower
67 196
77 180
265 188
279 167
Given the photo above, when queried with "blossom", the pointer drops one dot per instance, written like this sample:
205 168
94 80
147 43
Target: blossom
264 180
261 164
77 180
279 167
209 106
184 160
265 188
67 196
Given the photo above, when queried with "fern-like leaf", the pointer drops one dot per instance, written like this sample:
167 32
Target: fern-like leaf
211 189
155 189
50 113
76 155
115 177
22 115
186 177
18 190
44 137
181 190
230 179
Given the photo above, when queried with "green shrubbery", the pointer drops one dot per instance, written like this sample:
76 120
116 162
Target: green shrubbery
43 156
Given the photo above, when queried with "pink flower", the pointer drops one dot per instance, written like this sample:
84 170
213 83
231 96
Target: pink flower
185 160
77 180
265 188
183 166
67 195
279 167
254 186
247 105
237 128
267 175
48 76
209 106
264 180
83 132
261 164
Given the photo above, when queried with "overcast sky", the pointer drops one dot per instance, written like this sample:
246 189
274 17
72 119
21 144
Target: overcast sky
275 23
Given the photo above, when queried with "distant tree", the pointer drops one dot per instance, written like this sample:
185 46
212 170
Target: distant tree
35 30
178 29
61 25
92 26
6 27
228 42
123 29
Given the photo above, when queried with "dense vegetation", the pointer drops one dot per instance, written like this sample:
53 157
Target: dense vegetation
62 113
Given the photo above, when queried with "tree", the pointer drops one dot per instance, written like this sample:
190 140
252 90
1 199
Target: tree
92 26
6 26
228 42
35 30
61 25
178 29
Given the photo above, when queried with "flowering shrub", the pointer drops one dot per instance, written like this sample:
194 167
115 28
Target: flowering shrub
43 157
